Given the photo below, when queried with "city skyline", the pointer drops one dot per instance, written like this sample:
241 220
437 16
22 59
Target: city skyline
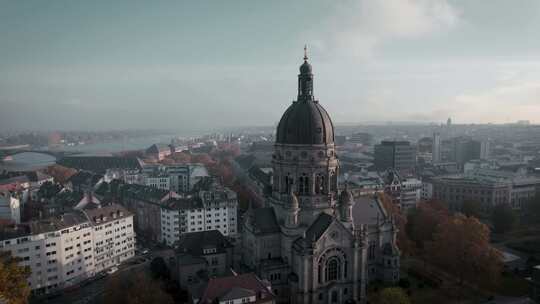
128 65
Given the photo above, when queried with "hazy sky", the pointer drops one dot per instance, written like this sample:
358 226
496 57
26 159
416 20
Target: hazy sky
191 64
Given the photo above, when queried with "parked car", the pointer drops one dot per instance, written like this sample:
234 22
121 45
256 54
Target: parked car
112 270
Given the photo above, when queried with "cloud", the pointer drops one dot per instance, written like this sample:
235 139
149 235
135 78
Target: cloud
515 100
359 26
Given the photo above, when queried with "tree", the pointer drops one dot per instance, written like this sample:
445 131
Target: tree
159 269
48 189
471 208
13 280
392 295
503 218
461 247
422 222
138 288
60 174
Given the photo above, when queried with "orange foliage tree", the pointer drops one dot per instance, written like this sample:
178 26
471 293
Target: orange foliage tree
422 222
60 174
461 247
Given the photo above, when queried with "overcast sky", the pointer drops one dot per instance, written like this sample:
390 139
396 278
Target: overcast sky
191 64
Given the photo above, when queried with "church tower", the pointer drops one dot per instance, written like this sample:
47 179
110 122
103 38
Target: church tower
304 157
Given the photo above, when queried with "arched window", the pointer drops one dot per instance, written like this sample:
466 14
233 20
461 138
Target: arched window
332 269
317 184
301 185
333 181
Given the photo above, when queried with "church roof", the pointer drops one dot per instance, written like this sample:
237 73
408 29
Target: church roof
367 210
264 220
305 123
318 227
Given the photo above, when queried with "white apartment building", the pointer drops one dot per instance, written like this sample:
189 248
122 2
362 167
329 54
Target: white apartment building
209 211
63 251
411 193
59 251
178 178
114 238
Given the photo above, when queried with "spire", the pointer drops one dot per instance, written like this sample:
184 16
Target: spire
305 79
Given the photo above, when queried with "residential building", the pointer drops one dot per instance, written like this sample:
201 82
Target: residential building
59 251
145 203
10 207
113 235
159 181
238 288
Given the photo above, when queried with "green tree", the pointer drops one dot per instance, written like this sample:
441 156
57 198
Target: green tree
13 280
392 295
503 218
471 208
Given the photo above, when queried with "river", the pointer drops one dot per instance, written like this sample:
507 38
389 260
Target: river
32 161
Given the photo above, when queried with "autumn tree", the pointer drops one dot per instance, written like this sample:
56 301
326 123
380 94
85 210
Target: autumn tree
181 157
13 280
422 222
471 208
503 218
138 288
60 174
461 247
392 295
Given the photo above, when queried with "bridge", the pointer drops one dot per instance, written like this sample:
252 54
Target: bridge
6 155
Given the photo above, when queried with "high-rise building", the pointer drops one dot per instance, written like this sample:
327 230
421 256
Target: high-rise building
398 155
436 150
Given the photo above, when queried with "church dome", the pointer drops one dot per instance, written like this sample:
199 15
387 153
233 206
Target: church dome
305 68
305 122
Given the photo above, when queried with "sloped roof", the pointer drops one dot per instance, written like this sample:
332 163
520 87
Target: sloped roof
195 242
265 220
100 164
143 193
318 227
366 210
219 288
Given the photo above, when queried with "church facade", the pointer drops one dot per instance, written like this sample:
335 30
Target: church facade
312 240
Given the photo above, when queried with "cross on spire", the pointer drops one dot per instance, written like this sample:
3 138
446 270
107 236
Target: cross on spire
305 53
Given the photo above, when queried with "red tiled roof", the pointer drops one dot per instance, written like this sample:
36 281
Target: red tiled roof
217 287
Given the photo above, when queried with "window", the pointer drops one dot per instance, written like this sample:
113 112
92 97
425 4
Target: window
332 269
